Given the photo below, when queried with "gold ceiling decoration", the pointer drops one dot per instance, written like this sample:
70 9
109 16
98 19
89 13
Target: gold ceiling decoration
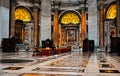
70 18
111 12
22 14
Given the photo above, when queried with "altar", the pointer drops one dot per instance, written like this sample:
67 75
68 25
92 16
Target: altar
75 48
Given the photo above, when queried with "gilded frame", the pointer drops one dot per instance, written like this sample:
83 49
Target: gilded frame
71 36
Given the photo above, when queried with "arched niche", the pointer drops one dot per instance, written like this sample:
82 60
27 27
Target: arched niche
69 22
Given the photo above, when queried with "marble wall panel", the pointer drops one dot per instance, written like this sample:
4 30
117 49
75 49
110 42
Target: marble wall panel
4 23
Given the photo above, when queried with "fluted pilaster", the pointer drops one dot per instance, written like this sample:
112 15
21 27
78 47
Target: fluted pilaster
36 26
101 26
118 18
83 22
56 29
12 18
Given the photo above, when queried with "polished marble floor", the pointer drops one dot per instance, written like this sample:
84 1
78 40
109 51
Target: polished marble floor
66 64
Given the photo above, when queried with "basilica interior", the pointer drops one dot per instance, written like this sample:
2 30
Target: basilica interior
59 38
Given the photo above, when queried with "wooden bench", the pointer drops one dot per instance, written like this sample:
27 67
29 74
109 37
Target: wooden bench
61 50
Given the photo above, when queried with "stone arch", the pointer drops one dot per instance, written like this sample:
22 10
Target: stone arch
109 12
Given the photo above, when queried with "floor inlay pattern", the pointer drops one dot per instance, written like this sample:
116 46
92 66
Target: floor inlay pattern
66 64
60 69
106 68
109 71
76 60
12 68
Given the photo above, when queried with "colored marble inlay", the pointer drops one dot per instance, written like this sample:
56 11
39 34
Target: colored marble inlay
106 66
72 61
15 61
12 68
59 69
109 71
37 74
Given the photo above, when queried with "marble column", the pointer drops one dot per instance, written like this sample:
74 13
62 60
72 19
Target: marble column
83 24
56 29
118 18
12 19
36 26
101 26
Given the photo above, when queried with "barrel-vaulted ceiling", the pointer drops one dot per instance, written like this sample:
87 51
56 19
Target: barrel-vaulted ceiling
70 4
71 1
63 4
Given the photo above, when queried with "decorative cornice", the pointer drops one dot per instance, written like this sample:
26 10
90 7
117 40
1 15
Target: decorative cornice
101 4
13 2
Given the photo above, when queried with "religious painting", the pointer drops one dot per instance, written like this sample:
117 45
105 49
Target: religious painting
71 36
19 33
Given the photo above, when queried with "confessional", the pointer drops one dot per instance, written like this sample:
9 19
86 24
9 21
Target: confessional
115 45
8 44
85 45
88 45
91 45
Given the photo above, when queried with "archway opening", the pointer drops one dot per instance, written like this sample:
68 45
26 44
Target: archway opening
69 28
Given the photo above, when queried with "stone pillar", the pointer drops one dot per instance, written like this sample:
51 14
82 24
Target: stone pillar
45 20
93 32
12 18
36 26
56 29
118 18
83 24
101 26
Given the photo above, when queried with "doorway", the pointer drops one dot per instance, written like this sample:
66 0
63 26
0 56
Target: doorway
19 32
69 35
